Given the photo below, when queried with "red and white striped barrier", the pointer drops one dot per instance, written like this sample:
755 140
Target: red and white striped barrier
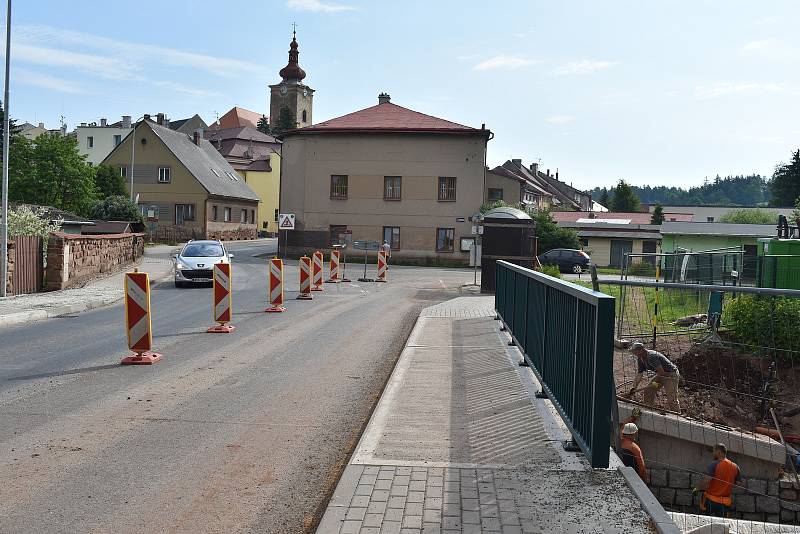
137 320
305 279
275 286
317 272
223 311
381 266
333 271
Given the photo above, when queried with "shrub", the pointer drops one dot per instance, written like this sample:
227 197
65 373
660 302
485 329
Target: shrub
763 321
25 220
551 270
116 208
642 268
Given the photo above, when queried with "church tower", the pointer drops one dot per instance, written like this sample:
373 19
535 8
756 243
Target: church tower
290 100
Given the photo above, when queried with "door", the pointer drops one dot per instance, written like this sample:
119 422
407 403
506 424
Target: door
28 270
620 247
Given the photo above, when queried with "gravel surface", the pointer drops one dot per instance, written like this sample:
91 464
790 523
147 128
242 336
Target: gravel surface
245 432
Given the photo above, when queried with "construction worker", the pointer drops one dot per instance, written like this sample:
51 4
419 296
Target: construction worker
630 452
667 376
718 485
387 249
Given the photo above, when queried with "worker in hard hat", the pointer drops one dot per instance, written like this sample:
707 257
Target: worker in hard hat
667 376
630 452
718 484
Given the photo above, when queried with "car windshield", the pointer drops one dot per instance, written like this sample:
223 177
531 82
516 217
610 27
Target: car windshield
202 250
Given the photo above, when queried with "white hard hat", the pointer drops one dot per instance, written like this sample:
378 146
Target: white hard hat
629 429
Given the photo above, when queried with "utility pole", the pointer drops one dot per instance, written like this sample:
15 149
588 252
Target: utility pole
6 139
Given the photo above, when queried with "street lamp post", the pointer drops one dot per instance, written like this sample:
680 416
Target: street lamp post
6 138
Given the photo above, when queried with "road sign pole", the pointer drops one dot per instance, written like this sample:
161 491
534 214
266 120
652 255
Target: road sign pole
365 264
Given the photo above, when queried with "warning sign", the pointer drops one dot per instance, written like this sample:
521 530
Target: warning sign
286 221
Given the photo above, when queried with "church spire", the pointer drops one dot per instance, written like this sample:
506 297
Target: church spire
292 71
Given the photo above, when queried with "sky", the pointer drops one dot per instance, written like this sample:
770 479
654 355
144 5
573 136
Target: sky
658 93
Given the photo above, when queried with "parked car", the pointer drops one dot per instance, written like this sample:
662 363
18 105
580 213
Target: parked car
194 264
567 260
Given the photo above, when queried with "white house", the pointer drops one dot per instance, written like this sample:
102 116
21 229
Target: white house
96 141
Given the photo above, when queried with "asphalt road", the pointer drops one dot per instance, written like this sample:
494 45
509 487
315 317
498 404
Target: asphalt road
245 432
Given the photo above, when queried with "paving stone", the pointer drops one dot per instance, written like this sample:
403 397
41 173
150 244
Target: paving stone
368 479
376 507
470 505
415 496
390 527
471 529
433 491
363 489
350 527
355 514
487 498
432 516
393 514
451 496
380 495
433 503
386 474
398 491
370 530
410 531
419 475
372 520
509 518
372 470
451 523
431 528
360 501
402 480
436 471
403 471
452 509
396 502
507 505
490 523
435 481
412 521
383 484
413 508
470 517
508 529
416 485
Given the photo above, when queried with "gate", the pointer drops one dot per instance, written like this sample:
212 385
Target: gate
28 274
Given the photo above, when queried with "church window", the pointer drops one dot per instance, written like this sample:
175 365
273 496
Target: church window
305 119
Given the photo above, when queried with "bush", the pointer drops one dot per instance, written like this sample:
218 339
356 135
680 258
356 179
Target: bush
27 221
642 268
763 321
116 208
551 270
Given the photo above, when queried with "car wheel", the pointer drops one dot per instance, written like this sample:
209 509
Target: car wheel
577 269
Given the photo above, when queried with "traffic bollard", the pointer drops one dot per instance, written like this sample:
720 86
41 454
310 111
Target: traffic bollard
275 286
317 271
334 267
137 320
305 279
381 266
223 311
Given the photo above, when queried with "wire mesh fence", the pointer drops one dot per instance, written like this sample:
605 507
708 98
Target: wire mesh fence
737 355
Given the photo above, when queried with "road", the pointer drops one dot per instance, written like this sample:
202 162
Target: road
246 432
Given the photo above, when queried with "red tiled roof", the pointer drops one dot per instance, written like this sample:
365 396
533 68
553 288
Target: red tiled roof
634 217
388 117
239 117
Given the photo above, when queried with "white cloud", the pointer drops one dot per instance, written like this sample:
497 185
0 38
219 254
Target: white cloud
584 67
727 88
560 119
180 88
26 77
758 45
504 62
317 7
116 53
101 66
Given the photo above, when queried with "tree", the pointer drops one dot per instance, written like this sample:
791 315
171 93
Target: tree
625 200
24 220
605 200
658 215
550 235
785 184
13 128
116 208
50 171
109 181
263 125
286 121
753 216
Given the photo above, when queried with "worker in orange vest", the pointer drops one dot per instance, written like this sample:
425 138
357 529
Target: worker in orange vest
630 453
718 485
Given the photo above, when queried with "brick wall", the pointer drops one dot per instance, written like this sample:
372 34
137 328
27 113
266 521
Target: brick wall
72 259
773 501
11 260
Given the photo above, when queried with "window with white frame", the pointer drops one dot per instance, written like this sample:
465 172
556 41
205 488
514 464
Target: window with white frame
123 171
164 175
90 142
117 139
227 215
242 216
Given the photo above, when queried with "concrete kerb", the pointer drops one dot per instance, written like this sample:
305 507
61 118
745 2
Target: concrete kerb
662 522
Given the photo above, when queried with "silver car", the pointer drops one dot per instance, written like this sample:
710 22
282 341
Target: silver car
194 264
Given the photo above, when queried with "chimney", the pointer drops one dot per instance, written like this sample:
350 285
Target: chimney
41 125
166 122
384 98
196 137
548 172
535 168
126 121
103 122
147 116
556 174
160 119
517 162
83 124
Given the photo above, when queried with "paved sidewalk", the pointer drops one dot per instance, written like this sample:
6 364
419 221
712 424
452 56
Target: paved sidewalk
157 262
458 443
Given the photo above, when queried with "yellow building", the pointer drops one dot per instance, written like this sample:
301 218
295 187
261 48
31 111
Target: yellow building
257 158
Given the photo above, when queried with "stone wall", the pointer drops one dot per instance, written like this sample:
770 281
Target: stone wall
72 259
11 260
231 232
773 501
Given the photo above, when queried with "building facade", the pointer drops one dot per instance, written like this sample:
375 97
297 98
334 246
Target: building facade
97 140
257 158
291 95
186 183
703 236
385 172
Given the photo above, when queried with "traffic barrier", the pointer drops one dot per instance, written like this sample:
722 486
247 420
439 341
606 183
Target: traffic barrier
223 310
137 320
381 266
305 279
275 286
317 272
333 271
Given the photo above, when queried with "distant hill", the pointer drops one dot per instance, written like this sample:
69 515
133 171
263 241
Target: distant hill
749 190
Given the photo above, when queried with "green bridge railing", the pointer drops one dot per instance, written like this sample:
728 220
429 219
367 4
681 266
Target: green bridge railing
566 334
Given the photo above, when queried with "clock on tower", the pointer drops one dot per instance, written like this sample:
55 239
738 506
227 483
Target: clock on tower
291 100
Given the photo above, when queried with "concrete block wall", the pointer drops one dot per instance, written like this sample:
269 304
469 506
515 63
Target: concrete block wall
772 501
72 259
